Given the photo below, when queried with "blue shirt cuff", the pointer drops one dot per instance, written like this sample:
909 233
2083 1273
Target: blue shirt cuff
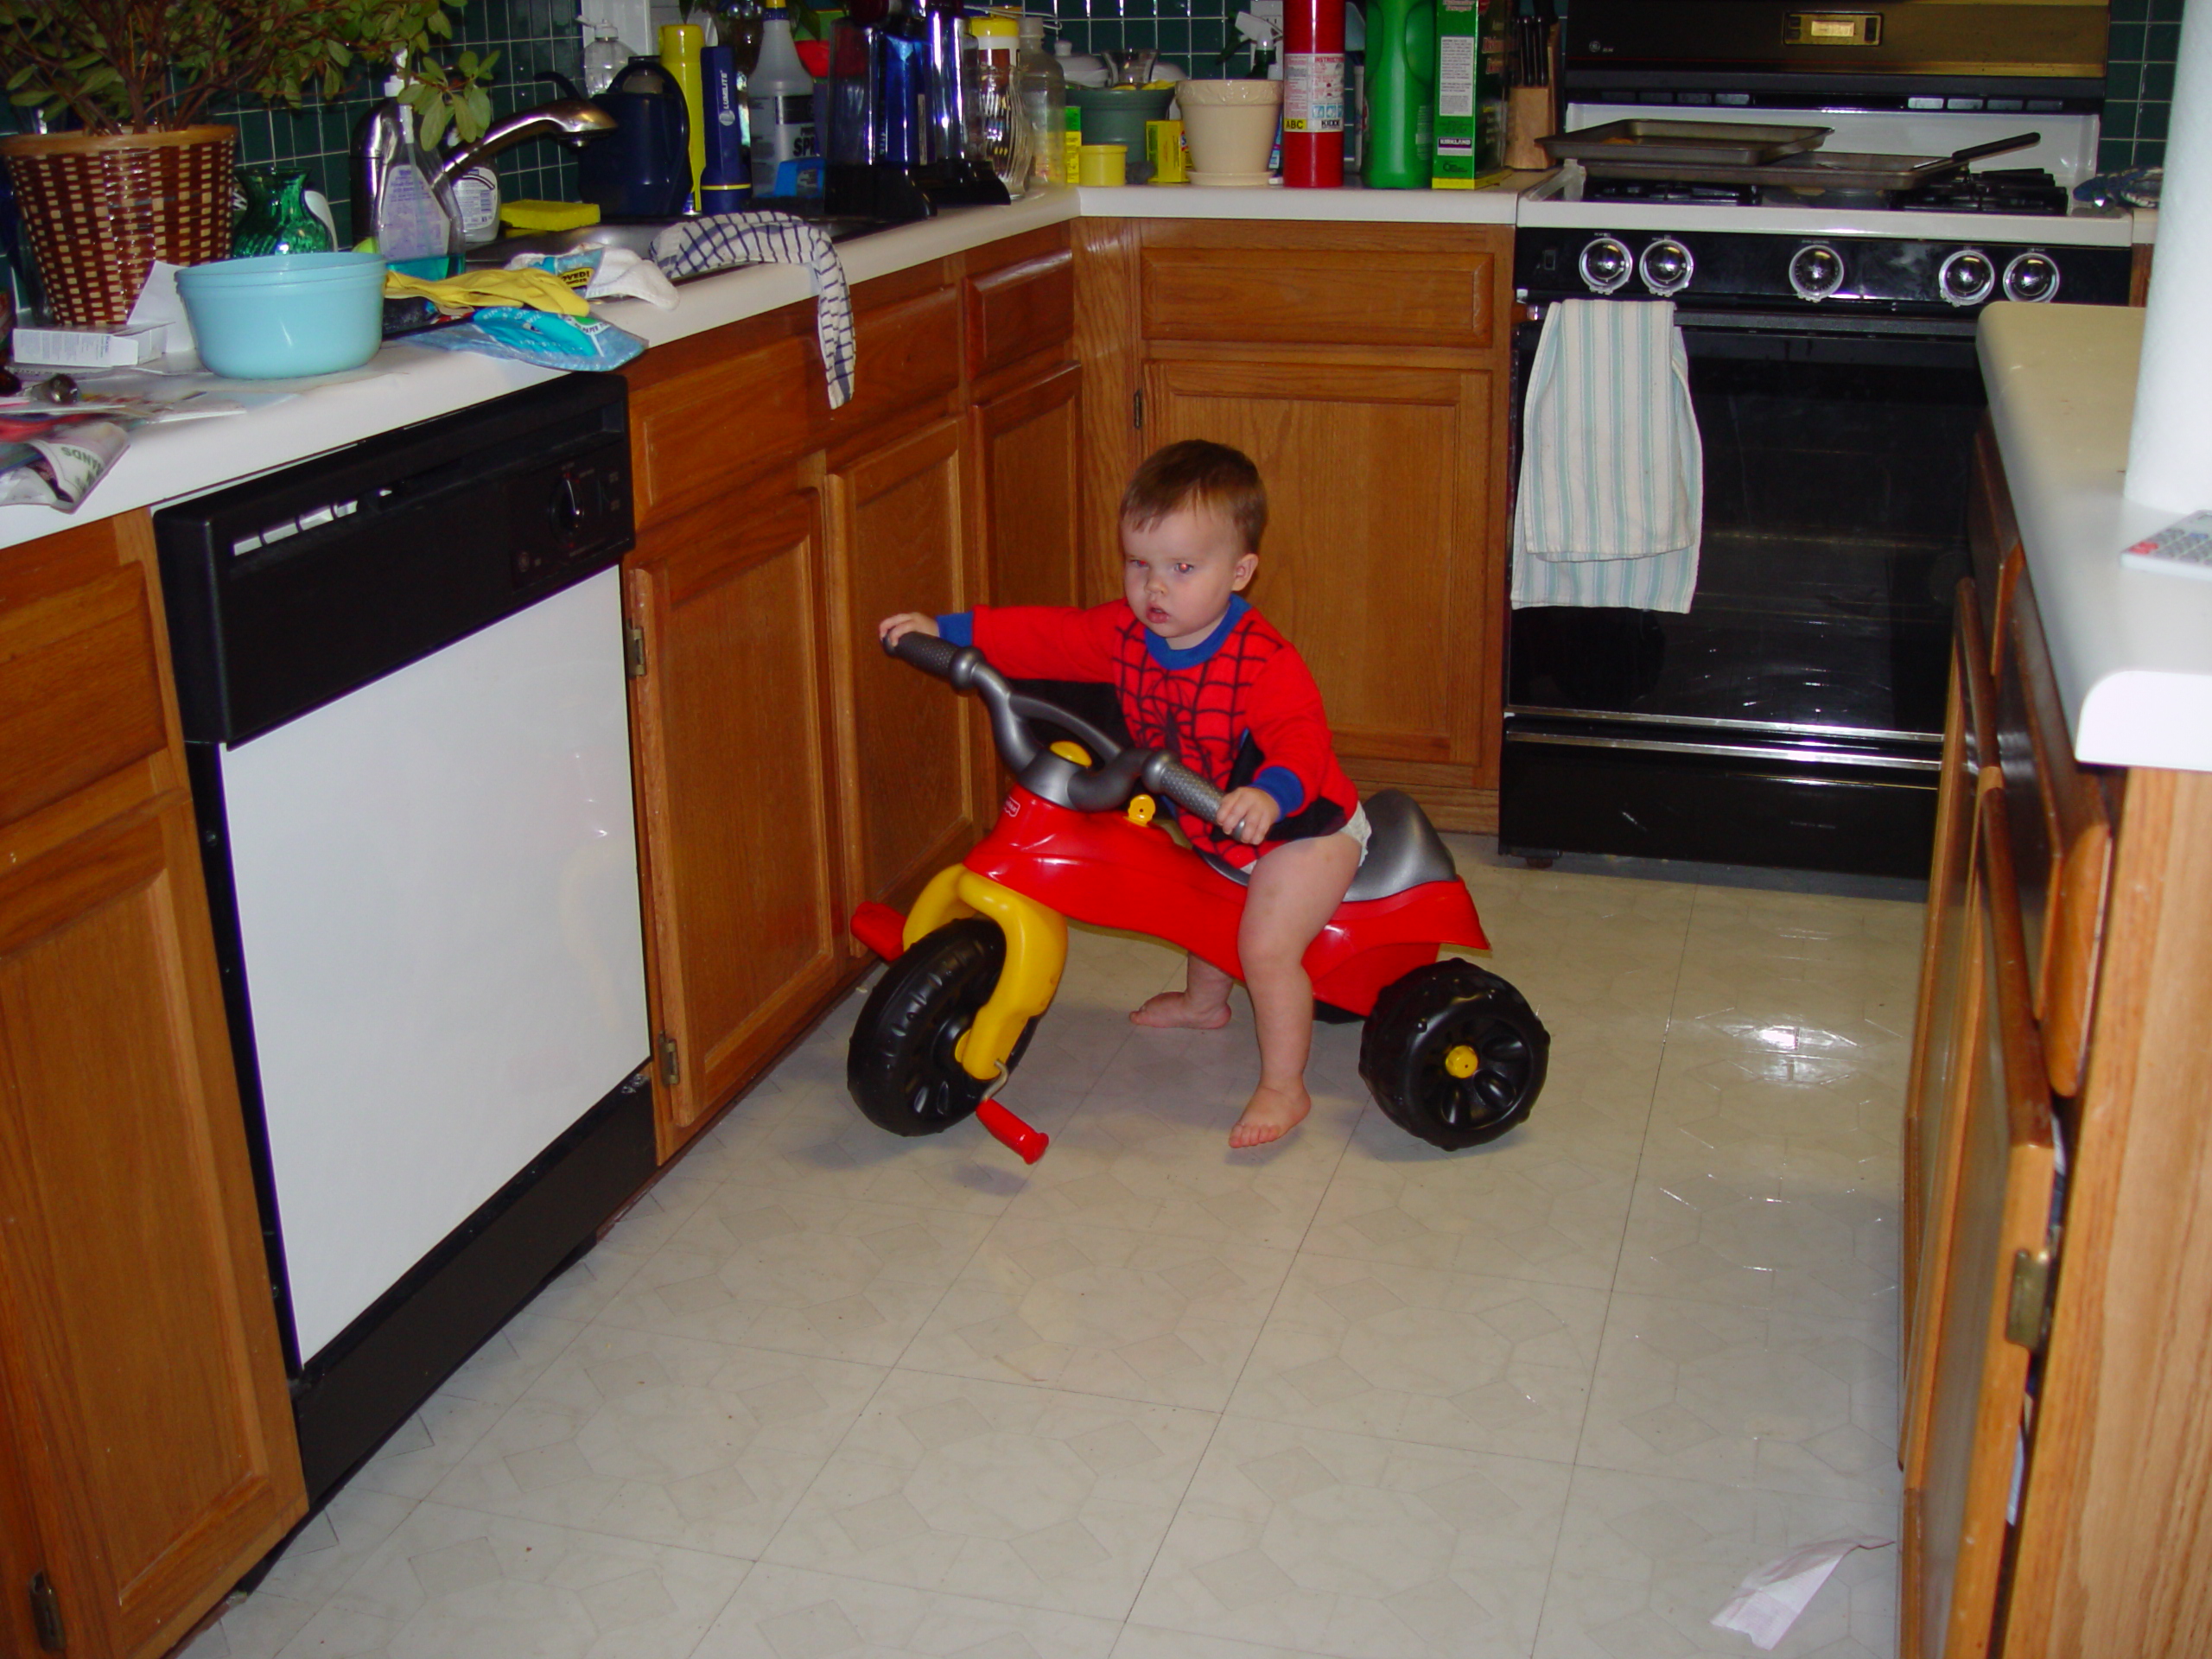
958 629
1281 783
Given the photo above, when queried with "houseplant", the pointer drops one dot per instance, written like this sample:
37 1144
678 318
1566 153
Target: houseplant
147 176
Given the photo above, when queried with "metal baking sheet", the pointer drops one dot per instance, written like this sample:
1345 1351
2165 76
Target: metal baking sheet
1828 170
1738 143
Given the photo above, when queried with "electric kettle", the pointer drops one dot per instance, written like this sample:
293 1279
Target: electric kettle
642 168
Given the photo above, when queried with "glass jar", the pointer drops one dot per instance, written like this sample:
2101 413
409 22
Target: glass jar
1042 91
997 133
277 218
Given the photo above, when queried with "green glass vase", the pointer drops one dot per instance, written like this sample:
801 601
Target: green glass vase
277 218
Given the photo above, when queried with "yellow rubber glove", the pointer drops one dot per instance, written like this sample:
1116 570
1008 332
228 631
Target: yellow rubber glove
540 290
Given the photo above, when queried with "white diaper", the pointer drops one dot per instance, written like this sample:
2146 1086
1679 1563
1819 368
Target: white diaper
1359 829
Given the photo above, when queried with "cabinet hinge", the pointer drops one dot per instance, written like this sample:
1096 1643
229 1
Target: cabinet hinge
46 1615
671 1068
633 650
1137 409
2027 1310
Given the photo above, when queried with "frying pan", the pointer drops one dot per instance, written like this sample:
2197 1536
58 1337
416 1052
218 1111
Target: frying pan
1825 169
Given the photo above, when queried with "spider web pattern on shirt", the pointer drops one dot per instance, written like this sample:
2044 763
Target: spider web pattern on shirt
1195 713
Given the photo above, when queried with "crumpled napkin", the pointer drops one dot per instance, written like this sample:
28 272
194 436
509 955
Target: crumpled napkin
1770 1597
605 274
540 290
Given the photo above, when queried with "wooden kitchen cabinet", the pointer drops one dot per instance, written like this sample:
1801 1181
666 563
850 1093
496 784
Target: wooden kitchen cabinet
145 1433
1028 446
734 764
1364 370
2060 1328
910 764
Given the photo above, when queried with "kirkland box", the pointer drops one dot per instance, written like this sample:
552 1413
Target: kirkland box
1470 91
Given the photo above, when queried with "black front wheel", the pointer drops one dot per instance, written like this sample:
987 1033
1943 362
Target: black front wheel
1453 1055
899 1067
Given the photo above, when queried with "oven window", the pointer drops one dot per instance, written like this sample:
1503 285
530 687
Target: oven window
1836 480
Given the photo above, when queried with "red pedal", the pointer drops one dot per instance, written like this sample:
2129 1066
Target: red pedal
1029 1143
882 929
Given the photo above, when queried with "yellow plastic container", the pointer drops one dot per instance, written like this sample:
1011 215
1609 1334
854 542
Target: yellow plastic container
1105 164
680 46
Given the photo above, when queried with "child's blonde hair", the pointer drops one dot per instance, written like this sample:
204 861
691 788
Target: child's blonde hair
1196 474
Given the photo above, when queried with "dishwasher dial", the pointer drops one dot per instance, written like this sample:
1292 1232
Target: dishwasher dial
1606 263
1815 271
2032 276
1666 267
1967 277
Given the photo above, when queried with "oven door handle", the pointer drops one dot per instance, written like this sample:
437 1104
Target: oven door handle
1811 322
1733 751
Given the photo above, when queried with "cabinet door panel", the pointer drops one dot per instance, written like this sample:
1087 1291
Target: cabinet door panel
1956 1497
1948 981
910 761
131 1262
1318 296
1375 562
1028 449
733 763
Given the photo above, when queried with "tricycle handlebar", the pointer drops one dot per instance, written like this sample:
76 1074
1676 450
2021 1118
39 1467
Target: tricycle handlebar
1111 778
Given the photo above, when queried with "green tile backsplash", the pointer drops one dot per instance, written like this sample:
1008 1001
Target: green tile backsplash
2139 82
530 35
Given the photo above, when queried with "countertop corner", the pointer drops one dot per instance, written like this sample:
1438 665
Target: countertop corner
2131 649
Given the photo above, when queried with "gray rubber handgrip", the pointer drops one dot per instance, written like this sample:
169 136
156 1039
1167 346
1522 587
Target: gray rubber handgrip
927 652
1165 775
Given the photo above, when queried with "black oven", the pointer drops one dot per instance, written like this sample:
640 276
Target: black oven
1793 716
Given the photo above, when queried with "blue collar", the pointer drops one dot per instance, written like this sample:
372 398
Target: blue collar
1171 657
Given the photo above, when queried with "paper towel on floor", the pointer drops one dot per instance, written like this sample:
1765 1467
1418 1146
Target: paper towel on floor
1770 1597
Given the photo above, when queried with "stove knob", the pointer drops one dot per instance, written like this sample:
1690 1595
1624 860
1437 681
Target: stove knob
1815 271
2032 276
1967 277
1666 266
1606 263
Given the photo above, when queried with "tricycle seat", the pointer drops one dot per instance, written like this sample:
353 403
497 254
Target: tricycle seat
1403 850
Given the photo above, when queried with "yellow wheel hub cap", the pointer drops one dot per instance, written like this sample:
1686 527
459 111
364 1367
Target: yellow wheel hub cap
1461 1062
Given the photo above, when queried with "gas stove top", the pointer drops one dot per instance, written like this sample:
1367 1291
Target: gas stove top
2030 190
2021 200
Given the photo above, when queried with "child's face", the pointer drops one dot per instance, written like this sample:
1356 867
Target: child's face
1178 575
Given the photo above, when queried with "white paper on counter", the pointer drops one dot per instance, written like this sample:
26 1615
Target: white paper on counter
1769 1598
159 302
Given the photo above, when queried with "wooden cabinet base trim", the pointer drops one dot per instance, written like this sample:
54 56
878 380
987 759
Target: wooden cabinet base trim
1452 803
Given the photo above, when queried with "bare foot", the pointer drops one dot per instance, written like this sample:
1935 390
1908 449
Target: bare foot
1174 1010
1270 1115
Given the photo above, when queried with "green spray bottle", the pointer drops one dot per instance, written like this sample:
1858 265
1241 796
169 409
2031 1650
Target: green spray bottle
1400 93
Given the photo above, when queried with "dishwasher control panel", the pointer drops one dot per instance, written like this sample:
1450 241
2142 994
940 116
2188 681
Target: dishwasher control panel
566 515
292 589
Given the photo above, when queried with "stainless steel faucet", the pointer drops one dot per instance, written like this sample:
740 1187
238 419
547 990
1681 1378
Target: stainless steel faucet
567 118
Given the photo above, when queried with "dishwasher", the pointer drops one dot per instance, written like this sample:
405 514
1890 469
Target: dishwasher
402 674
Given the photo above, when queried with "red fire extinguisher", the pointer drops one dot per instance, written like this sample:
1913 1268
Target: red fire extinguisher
1313 94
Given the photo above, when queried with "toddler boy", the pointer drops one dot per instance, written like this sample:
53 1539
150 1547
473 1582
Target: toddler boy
1199 673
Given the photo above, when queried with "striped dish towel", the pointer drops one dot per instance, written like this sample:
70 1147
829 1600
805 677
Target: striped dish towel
1611 500
719 241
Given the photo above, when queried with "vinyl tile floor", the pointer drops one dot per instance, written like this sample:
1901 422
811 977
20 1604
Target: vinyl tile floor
826 1392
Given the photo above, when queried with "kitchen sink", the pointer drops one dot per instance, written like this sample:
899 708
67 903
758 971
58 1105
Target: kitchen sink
637 235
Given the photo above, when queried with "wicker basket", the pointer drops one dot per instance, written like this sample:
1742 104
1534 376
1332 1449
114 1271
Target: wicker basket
101 208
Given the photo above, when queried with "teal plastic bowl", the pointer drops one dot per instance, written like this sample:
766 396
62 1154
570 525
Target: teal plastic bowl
285 314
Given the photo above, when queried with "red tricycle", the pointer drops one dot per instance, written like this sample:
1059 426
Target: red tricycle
1453 1054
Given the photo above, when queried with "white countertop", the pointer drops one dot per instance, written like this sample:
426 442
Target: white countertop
2131 649
406 383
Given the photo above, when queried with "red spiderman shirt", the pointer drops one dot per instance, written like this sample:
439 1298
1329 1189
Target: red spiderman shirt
1239 707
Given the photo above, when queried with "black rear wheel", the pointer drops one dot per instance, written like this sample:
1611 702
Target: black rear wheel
899 1067
1453 1055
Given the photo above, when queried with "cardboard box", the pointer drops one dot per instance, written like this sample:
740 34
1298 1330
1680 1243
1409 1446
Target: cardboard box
1470 93
90 348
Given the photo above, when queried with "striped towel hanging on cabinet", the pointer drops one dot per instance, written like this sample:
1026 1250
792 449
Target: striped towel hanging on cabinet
1612 493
